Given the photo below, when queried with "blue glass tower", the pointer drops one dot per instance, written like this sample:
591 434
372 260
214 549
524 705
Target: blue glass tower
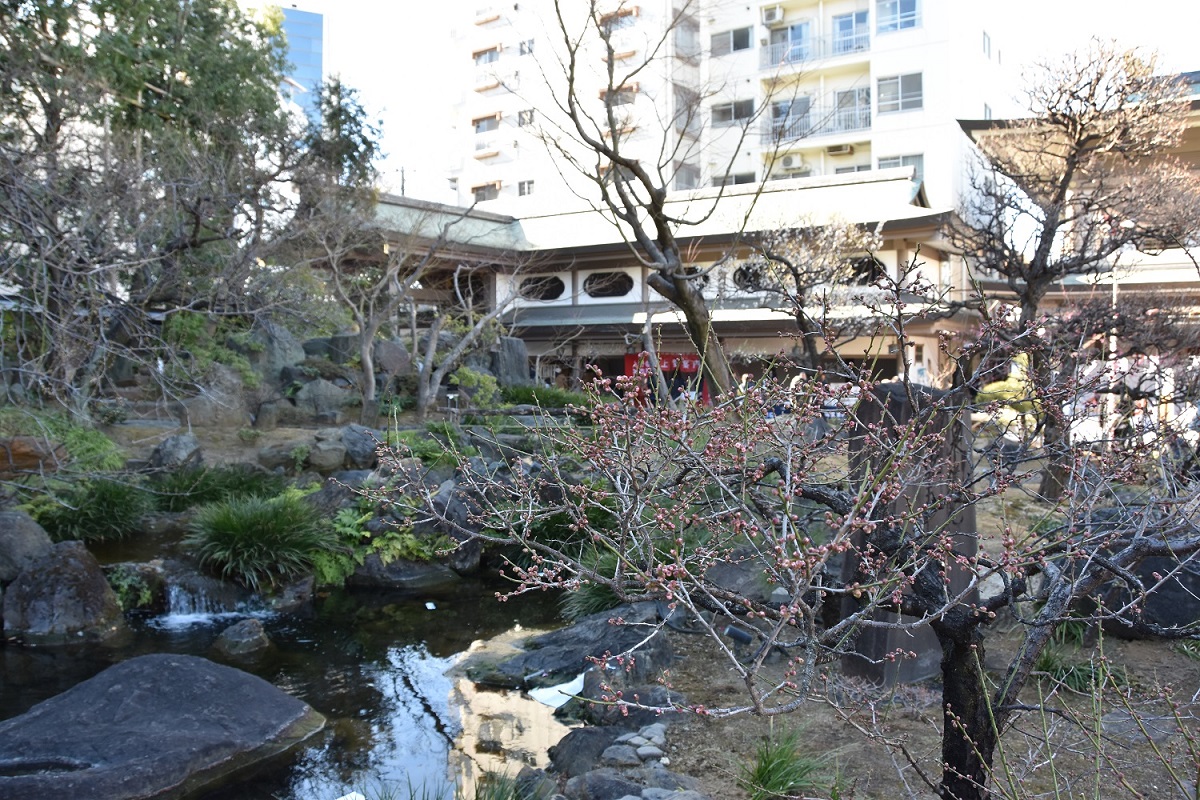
304 30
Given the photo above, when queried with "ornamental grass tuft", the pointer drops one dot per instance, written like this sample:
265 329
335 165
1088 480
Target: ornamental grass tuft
102 509
258 541
782 769
182 489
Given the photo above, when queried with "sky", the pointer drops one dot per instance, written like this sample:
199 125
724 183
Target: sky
390 58
1037 28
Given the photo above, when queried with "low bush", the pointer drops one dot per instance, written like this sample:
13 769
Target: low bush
426 446
546 397
130 587
353 543
102 509
258 541
185 488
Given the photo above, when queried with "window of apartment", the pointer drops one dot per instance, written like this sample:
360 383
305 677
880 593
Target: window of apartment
486 124
790 119
620 96
486 191
850 33
900 93
855 168
687 176
525 117
626 173
618 20
526 47
735 179
987 45
916 161
896 15
687 110
489 56
793 44
724 114
454 185
525 188
987 111
687 37
542 287
607 284
732 41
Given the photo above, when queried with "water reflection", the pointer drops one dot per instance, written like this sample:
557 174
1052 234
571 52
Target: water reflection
375 665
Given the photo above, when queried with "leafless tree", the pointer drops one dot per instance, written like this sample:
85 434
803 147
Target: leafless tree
861 530
631 166
1072 189
810 269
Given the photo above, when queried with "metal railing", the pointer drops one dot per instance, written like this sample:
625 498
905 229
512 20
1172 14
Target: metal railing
816 122
812 49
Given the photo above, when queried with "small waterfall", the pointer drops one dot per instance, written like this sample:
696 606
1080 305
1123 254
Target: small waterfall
194 599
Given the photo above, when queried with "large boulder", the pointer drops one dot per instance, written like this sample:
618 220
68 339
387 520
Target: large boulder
324 401
556 657
154 726
344 347
220 405
361 444
22 541
391 358
401 574
177 452
291 455
21 455
62 597
510 362
326 455
269 348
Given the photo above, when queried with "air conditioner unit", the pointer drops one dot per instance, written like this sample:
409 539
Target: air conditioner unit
795 166
840 150
772 15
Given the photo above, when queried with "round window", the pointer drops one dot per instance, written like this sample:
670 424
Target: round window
542 287
607 284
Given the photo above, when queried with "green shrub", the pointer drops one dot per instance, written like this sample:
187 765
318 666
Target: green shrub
592 598
185 488
258 541
207 340
130 587
545 397
781 769
483 388
353 543
97 510
427 447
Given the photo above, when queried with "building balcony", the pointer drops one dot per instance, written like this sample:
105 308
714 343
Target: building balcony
816 123
783 54
487 147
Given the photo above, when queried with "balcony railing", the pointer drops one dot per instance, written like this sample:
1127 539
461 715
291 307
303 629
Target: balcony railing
784 53
816 123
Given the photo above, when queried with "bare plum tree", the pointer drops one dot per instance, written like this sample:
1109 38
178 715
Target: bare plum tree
1069 190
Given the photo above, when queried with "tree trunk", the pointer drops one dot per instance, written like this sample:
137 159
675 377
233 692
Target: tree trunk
969 735
369 415
678 289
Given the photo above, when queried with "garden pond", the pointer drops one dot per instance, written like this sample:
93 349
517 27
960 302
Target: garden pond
378 665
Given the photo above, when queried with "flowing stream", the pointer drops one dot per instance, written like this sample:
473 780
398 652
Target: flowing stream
375 664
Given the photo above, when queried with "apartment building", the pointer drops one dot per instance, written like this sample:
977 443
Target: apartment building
723 93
